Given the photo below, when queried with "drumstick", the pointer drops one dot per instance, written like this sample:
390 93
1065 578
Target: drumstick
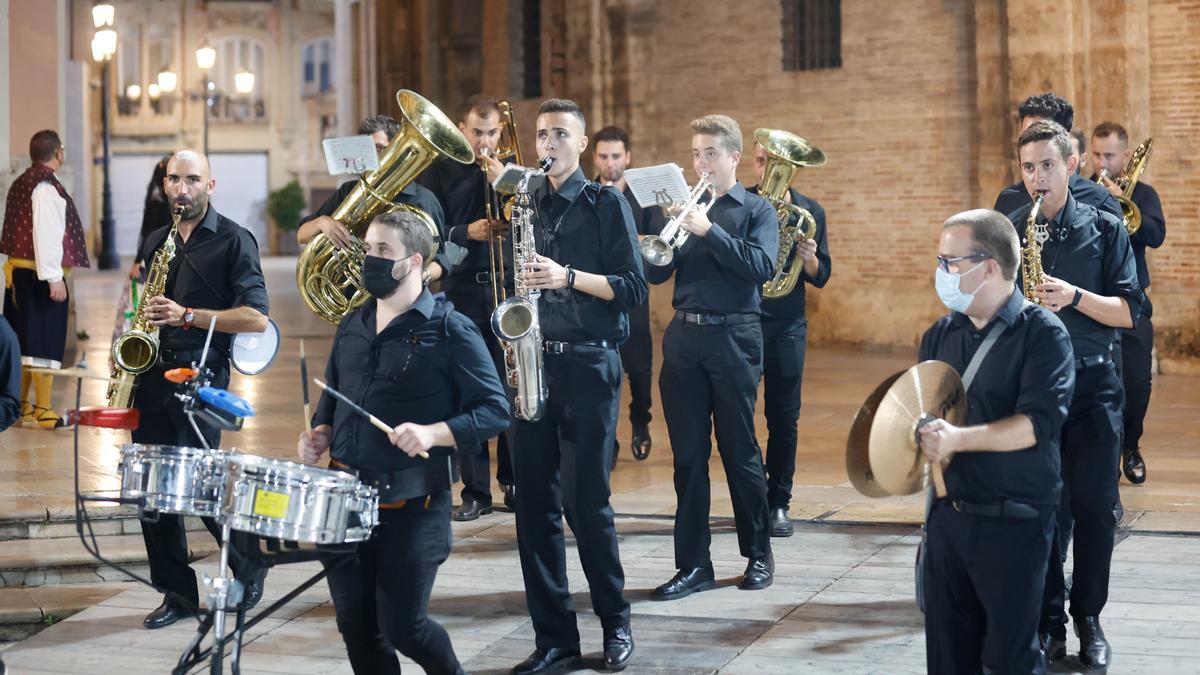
375 421
939 482
304 388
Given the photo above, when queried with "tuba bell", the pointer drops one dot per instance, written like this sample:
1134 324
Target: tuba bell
786 152
329 277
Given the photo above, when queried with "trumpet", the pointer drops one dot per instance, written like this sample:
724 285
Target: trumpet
659 250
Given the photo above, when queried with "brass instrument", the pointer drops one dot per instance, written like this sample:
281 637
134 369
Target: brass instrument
1128 179
1032 273
329 277
659 249
496 208
786 152
136 350
515 320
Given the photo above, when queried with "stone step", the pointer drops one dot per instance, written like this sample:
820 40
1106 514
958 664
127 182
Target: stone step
58 524
26 611
52 561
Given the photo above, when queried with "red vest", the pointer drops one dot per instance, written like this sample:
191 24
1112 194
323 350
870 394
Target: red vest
17 238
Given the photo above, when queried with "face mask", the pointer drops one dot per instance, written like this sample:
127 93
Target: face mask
947 284
377 276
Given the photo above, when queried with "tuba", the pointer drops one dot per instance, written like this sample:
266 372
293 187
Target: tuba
515 320
1128 180
787 152
136 350
659 249
329 277
1031 256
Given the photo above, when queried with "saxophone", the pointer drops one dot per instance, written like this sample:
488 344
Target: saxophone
136 350
515 321
1031 256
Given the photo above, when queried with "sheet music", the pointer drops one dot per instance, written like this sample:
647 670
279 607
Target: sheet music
350 154
654 185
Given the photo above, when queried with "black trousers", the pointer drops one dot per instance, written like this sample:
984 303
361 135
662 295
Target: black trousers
166 539
783 371
381 594
1090 444
983 591
710 375
1136 361
562 465
637 358
475 466
39 322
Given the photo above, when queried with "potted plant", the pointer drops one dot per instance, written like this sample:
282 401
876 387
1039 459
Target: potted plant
285 206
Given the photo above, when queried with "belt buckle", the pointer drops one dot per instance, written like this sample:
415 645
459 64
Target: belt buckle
957 504
483 277
554 347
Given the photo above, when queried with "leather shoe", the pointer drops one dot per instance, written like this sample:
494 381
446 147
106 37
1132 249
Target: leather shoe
1134 466
167 613
618 647
1094 652
685 582
759 574
641 443
547 660
471 510
510 497
1054 648
781 525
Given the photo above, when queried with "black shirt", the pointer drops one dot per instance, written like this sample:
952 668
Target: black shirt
1089 249
1153 231
10 375
429 365
724 271
589 228
1085 191
791 306
459 189
1030 371
218 268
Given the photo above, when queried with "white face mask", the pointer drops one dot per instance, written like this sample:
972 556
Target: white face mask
948 289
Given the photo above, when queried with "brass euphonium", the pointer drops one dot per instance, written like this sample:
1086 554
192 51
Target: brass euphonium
786 153
136 350
1132 215
329 277
1032 273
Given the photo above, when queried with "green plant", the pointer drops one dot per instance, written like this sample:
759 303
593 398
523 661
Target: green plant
285 206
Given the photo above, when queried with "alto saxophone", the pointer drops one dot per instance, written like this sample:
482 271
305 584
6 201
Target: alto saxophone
136 350
1032 273
515 321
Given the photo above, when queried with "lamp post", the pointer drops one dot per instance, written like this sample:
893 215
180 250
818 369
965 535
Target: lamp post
104 46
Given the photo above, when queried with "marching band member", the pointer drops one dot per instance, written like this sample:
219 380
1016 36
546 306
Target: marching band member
712 361
590 276
1091 283
785 330
424 369
1110 152
988 540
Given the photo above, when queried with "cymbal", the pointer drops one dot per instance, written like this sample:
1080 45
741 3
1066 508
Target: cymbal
858 461
72 371
921 394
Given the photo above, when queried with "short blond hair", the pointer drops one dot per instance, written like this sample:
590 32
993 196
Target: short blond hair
725 128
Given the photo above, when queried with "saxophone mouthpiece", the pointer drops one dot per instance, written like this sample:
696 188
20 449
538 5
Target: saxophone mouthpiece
545 163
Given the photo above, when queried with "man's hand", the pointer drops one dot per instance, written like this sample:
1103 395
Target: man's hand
336 232
58 290
1055 294
135 271
1111 186
492 166
806 249
412 439
313 444
940 439
697 223
163 311
483 229
544 273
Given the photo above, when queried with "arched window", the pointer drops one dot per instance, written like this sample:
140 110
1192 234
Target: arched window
316 60
235 55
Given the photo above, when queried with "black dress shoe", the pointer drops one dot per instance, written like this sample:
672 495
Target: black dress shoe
547 661
1134 466
471 510
760 573
167 613
1054 648
618 648
685 582
781 525
1094 652
510 497
641 443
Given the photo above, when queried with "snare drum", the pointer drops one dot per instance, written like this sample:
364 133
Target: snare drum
284 500
173 479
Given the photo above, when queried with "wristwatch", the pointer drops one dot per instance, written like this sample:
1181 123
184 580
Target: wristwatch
1075 300
570 277
188 317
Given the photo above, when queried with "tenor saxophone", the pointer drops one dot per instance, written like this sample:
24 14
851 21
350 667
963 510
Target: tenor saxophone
1032 273
136 350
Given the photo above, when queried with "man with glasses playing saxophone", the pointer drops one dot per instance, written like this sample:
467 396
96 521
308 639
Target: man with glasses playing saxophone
1090 282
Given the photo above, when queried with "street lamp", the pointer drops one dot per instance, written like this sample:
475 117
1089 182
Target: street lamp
206 57
104 46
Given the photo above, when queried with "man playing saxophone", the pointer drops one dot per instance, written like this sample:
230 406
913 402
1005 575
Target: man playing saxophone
1091 283
590 276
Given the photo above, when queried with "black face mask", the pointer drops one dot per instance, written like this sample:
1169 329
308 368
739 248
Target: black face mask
377 276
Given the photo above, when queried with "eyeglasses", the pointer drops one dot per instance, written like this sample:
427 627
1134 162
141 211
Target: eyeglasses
945 262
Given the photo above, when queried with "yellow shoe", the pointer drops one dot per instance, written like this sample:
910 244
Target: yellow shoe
48 419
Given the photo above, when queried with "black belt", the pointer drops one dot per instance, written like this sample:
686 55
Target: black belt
1004 509
715 319
1092 361
587 346
383 482
178 356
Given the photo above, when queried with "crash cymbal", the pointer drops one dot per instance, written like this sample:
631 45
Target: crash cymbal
78 372
858 461
923 393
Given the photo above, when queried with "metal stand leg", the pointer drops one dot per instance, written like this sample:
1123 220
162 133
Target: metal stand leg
225 593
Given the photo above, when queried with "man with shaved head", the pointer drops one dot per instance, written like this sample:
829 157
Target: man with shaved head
215 274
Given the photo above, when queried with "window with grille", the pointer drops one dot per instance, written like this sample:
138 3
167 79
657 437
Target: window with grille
812 34
531 47
317 60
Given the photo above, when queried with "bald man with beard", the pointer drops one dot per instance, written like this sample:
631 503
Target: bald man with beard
215 273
